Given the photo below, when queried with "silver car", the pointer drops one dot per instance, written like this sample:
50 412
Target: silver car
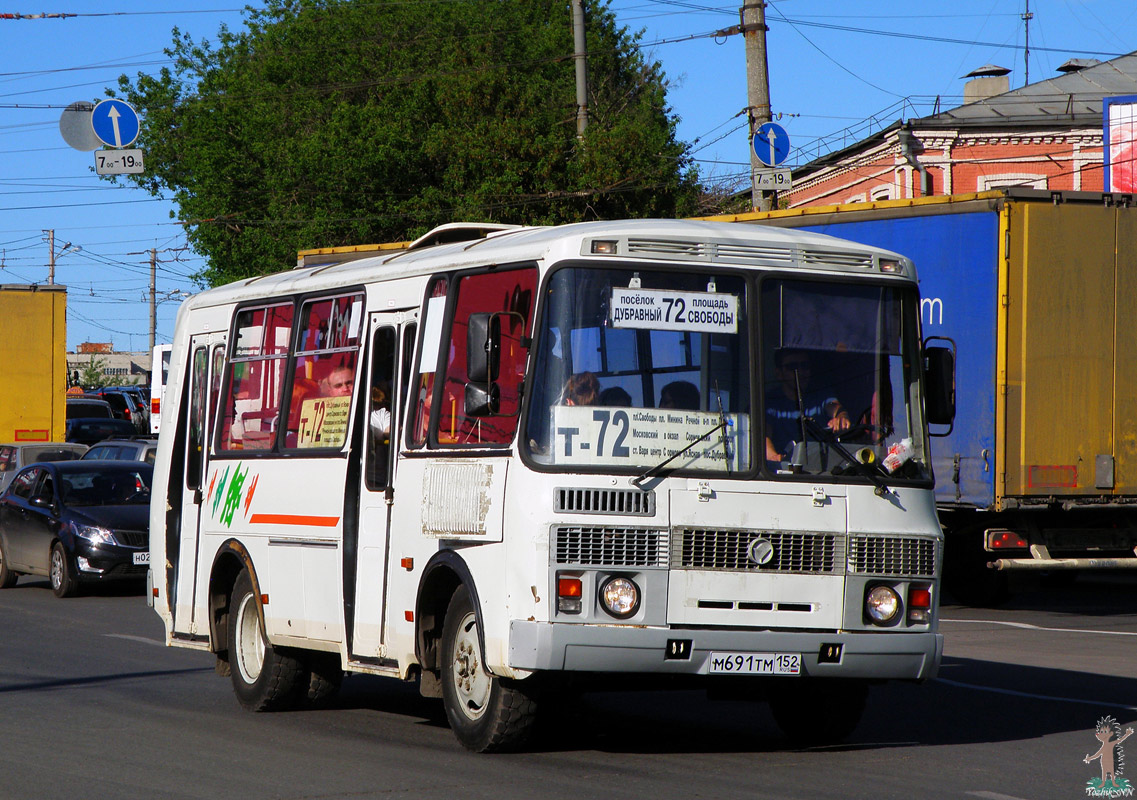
14 457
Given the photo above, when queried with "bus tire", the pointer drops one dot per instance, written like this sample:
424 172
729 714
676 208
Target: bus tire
819 711
324 675
487 713
265 678
7 577
63 581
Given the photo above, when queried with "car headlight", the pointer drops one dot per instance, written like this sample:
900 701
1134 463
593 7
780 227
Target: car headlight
94 534
620 597
882 604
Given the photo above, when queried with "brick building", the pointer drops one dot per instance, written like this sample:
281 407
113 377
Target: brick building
118 367
1046 135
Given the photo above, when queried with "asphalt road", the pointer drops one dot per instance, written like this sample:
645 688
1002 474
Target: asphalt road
92 705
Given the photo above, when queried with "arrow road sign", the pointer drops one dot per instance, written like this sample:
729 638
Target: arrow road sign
771 144
115 123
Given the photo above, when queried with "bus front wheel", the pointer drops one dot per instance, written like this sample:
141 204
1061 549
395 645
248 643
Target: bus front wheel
486 713
264 677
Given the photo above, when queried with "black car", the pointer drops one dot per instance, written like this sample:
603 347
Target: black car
87 430
76 521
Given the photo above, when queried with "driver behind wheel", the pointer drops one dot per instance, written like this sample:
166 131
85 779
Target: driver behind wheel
789 397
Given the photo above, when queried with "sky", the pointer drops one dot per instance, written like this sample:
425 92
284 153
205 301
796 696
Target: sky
839 70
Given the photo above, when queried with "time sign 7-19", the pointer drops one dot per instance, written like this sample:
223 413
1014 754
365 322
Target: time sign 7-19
118 162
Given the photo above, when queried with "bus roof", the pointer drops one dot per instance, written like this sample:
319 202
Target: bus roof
690 242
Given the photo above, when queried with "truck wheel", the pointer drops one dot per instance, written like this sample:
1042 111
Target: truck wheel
265 678
486 713
63 581
7 577
819 711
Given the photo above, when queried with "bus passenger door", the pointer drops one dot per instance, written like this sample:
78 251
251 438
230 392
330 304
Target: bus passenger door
205 363
391 348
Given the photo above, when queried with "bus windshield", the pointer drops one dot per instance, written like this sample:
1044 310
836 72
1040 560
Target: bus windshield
651 370
636 366
841 380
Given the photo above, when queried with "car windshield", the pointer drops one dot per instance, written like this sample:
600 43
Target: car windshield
105 488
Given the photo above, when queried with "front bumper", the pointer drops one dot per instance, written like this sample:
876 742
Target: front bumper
106 562
537 646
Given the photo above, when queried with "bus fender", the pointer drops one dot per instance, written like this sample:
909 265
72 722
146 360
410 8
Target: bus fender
444 572
228 561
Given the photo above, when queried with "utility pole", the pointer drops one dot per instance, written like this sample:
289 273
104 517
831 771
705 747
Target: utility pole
1027 17
153 297
51 256
580 56
753 16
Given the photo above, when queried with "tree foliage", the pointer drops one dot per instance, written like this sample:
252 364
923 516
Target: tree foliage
339 122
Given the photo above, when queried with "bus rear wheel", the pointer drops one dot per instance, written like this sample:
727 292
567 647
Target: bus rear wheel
487 713
265 678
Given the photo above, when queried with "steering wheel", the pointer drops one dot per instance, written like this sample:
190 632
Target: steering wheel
861 428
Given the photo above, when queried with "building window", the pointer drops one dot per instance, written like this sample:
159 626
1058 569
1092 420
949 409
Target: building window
1020 179
882 192
857 198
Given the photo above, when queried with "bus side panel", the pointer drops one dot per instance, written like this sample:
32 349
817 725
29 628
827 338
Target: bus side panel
956 258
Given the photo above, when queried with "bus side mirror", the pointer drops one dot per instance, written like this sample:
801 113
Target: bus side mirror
483 347
482 401
939 374
483 360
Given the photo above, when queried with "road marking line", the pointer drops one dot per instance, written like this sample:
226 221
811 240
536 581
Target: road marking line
135 638
994 796
1041 628
1034 696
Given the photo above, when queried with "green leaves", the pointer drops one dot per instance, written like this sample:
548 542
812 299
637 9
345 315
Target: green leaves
334 122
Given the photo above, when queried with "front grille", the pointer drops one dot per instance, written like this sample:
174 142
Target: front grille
132 538
892 555
610 547
728 550
629 502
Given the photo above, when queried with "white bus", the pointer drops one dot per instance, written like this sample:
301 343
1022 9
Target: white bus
608 453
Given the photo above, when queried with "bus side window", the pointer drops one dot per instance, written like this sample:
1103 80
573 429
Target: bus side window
256 375
323 381
380 411
510 295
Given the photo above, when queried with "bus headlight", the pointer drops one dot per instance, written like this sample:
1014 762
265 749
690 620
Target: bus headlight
882 604
620 597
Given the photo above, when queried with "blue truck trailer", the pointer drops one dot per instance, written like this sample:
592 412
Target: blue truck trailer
1037 291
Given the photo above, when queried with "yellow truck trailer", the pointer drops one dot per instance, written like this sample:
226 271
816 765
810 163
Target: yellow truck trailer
33 352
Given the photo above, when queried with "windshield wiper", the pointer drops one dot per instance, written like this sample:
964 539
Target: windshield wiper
658 468
722 427
830 437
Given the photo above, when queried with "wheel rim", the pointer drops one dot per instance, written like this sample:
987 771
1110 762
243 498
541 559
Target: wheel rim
471 682
56 569
250 647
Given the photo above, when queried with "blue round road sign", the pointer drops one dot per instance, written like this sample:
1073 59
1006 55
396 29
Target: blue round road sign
115 123
771 144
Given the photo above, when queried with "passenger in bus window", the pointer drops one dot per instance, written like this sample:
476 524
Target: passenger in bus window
680 394
582 389
380 412
784 407
616 396
338 383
